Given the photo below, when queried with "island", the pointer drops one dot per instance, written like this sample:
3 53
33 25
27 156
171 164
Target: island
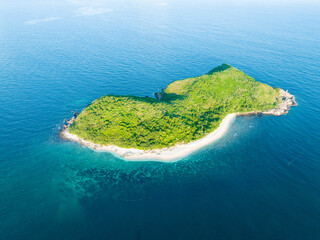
184 117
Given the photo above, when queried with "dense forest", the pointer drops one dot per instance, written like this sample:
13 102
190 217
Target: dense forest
185 110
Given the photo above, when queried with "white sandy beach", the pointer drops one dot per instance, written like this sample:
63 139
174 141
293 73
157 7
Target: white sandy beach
166 154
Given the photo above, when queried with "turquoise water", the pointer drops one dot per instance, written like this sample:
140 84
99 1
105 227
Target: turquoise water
260 181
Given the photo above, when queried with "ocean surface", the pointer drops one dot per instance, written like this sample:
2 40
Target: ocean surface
259 181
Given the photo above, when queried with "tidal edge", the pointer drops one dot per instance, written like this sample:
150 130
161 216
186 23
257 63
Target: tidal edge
172 154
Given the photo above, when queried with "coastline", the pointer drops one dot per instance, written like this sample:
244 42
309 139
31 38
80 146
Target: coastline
178 151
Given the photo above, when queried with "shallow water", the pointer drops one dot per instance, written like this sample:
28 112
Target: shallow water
260 181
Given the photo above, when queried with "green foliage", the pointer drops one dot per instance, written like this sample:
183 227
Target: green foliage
187 111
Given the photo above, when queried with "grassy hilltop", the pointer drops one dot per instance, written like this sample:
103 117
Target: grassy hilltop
187 110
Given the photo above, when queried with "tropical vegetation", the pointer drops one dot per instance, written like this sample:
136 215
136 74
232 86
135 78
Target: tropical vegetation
185 110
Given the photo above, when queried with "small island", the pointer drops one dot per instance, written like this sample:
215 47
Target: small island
184 117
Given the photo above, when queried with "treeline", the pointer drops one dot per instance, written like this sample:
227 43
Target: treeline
187 111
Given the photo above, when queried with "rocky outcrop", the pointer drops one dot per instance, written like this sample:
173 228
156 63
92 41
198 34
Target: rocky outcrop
158 95
286 101
67 124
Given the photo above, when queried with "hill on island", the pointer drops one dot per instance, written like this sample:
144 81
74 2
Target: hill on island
185 110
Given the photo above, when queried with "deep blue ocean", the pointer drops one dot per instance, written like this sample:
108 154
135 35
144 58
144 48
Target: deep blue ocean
260 181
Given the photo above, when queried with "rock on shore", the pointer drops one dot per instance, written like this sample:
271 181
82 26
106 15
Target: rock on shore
287 100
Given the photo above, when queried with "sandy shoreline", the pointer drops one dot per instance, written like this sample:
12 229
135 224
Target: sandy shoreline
164 154
178 151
